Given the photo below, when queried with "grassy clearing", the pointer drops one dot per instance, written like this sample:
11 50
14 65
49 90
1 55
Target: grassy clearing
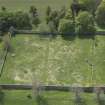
56 61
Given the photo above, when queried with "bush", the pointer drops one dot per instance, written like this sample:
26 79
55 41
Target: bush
33 11
55 16
100 15
66 26
34 17
36 21
18 20
48 11
6 20
68 14
89 4
22 20
85 24
3 8
62 12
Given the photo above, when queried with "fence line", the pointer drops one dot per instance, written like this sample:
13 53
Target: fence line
49 87
49 33
4 61
5 53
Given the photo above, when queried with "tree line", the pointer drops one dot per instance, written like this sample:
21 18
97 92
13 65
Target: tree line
70 21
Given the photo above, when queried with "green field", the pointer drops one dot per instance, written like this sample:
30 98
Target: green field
48 98
55 61
77 62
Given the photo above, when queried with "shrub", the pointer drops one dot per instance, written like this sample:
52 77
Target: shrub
85 24
36 21
68 14
55 16
3 8
62 12
52 27
89 4
66 26
34 17
6 20
100 15
43 28
48 11
33 11
18 20
22 20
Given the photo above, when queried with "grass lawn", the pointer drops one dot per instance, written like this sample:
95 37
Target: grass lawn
51 61
47 98
56 61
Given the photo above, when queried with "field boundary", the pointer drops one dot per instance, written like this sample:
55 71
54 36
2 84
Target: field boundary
4 61
49 33
50 87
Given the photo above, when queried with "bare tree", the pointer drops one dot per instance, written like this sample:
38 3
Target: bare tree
99 93
7 41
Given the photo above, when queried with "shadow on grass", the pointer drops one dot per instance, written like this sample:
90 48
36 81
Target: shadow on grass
87 36
2 95
68 37
101 102
41 100
80 102
44 35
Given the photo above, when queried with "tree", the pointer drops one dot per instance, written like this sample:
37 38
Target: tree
62 12
19 20
33 11
84 5
85 24
100 15
7 42
54 17
68 14
48 11
91 5
3 8
6 19
36 21
66 26
34 16
22 20
52 27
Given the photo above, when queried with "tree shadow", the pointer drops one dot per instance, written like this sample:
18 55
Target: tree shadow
2 95
80 101
68 37
101 102
41 100
87 36
45 35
